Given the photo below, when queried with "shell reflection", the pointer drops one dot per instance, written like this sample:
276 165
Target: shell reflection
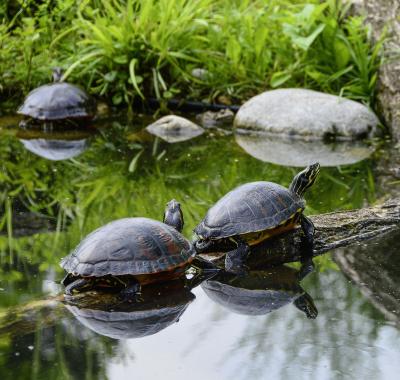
161 305
55 146
260 291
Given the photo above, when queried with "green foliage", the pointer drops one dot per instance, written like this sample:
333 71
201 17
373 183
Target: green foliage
122 49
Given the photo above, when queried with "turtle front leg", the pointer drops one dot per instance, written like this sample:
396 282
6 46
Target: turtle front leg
235 260
308 229
79 285
308 247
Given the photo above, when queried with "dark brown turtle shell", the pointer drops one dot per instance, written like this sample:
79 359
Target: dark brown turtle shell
253 207
57 101
132 246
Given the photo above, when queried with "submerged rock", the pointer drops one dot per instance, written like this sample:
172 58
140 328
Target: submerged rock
283 150
307 114
174 128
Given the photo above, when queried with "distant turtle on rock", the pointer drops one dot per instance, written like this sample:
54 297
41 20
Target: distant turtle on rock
58 101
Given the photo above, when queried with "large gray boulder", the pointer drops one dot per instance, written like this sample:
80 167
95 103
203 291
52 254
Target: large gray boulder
307 114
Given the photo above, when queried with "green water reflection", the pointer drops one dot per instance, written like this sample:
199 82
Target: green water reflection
125 173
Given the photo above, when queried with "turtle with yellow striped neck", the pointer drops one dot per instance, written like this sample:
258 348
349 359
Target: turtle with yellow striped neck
254 212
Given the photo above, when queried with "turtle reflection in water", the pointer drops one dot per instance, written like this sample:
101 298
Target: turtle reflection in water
161 305
55 146
254 212
57 101
128 253
260 291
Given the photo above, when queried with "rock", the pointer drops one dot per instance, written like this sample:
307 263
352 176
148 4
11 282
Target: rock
307 114
384 15
200 73
211 119
284 150
174 128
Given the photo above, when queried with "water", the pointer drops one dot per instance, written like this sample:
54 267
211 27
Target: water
120 172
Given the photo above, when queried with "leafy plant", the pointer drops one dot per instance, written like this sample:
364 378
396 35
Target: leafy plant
125 49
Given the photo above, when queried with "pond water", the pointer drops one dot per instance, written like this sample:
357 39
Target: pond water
54 191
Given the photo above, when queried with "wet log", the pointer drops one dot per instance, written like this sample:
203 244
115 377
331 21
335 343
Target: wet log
332 231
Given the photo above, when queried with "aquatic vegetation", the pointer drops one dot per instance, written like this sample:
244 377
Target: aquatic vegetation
79 194
127 49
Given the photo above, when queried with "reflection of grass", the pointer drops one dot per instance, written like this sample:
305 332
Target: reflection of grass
84 193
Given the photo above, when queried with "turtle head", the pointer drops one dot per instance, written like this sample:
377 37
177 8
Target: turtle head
57 74
173 215
306 178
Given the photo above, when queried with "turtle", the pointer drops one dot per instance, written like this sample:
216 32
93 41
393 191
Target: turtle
127 253
161 305
253 212
58 101
260 292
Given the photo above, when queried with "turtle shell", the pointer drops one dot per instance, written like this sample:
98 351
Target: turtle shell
58 101
255 206
129 246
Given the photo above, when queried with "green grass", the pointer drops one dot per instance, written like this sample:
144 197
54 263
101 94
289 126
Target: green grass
122 49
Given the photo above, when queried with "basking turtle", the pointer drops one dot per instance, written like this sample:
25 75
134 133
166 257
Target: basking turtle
58 101
161 305
260 291
129 252
254 212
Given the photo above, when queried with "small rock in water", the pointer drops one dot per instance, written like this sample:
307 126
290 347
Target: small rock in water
200 73
210 119
307 114
174 128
